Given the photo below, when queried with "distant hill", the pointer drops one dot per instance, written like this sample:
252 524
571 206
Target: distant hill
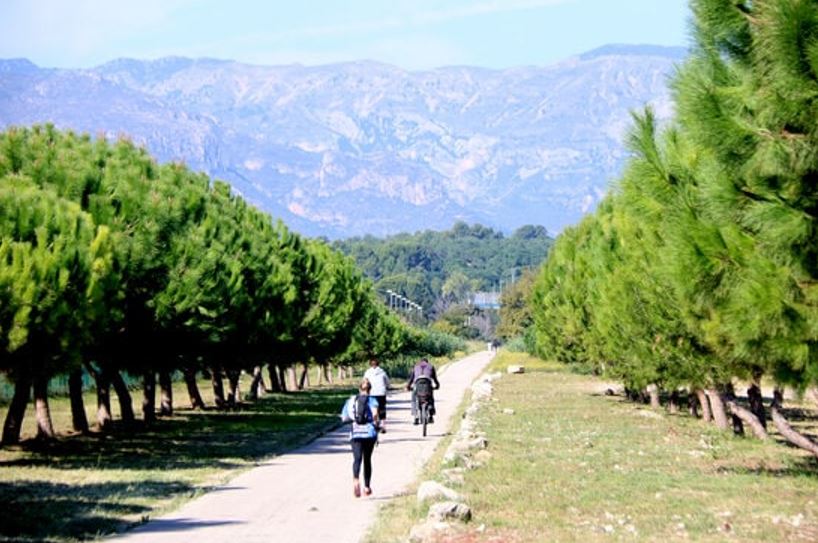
367 148
418 265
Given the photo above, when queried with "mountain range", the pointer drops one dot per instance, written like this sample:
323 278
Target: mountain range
367 148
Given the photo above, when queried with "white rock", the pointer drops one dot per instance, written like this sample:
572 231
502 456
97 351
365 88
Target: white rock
449 510
508 411
433 491
515 369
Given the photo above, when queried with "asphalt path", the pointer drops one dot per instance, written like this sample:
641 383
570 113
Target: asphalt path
306 495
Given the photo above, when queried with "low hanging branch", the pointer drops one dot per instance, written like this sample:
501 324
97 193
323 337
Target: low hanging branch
747 417
789 433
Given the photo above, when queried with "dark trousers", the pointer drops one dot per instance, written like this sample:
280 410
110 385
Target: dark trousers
362 450
381 406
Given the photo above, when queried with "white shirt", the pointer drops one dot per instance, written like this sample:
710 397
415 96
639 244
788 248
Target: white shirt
378 379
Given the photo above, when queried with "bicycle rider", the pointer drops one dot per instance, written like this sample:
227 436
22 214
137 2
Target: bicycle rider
423 370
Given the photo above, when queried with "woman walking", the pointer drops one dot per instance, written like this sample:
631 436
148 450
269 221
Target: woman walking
362 411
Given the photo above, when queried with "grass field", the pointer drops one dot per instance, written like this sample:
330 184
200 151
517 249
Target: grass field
573 464
83 486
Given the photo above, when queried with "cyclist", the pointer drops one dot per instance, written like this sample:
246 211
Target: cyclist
423 370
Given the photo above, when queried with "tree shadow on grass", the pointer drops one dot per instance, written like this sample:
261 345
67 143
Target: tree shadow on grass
41 510
193 439
805 467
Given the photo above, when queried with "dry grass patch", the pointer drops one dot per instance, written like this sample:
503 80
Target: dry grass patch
573 464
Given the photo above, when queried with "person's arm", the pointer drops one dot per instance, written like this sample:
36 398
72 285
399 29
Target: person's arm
434 378
411 379
373 408
386 381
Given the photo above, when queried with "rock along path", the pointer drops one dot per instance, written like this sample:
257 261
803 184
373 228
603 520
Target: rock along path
306 495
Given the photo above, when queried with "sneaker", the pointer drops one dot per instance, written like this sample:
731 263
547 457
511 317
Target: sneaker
417 421
431 419
367 491
383 430
356 489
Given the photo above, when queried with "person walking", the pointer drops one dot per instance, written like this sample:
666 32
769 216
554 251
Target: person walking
362 411
379 380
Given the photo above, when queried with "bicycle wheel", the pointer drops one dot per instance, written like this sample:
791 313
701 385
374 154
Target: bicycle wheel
424 416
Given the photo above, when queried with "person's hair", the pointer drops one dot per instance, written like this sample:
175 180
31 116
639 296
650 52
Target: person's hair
365 385
374 361
424 360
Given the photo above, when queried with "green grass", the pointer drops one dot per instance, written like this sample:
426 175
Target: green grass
83 486
572 464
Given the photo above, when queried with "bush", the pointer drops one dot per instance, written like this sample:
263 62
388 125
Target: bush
434 343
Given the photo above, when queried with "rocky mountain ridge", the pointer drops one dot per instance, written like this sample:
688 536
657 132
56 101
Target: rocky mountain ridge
367 148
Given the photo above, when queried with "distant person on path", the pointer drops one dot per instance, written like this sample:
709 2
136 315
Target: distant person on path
379 380
362 411
423 370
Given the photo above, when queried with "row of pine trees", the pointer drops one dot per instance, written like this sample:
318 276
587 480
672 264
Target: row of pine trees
111 263
700 269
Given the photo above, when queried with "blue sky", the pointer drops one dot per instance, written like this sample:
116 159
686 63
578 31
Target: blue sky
414 34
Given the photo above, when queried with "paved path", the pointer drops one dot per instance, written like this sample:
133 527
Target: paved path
306 496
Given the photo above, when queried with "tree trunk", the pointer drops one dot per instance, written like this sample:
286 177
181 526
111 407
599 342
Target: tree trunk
45 428
304 378
103 386
257 387
730 396
292 382
218 388
653 392
149 397
757 404
319 375
272 372
341 373
673 404
282 378
778 396
748 417
124 396
196 401
707 415
791 434
78 419
717 409
17 411
692 405
234 394
327 373
165 394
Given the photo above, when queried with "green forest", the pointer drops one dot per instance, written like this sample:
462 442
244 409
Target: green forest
435 268
700 269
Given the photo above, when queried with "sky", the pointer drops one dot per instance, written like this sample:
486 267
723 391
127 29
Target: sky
412 34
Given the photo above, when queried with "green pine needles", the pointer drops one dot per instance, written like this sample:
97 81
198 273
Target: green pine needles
110 262
701 266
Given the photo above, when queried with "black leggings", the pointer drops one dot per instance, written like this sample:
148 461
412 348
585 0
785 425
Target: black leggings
362 449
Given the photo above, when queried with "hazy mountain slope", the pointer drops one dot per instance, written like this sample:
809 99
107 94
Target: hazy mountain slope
363 147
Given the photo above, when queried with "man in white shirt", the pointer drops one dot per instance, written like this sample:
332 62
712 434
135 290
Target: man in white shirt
380 385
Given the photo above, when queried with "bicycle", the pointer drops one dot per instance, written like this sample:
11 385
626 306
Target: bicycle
423 395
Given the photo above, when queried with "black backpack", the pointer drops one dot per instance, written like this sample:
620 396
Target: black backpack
359 409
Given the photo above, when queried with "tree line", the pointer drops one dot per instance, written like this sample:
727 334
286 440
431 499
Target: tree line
112 263
420 265
701 266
